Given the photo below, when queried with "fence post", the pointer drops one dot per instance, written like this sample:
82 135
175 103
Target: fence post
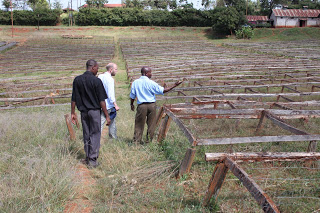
70 128
164 127
187 162
216 181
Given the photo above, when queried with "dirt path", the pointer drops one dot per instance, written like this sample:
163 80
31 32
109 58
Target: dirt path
85 183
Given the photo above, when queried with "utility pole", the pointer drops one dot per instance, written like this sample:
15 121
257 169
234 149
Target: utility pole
71 14
246 7
11 18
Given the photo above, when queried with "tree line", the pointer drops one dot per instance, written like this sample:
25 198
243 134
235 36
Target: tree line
226 16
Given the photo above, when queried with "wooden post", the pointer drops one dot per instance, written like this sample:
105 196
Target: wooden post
187 162
164 127
312 146
259 195
261 121
70 128
216 181
159 116
77 122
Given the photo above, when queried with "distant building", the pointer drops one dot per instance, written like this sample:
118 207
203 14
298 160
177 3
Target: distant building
65 10
107 5
257 19
295 18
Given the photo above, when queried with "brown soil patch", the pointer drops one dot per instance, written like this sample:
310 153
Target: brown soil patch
85 183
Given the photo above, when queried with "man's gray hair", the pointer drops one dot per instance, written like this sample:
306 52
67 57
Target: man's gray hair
110 66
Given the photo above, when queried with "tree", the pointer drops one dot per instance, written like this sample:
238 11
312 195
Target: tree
227 19
267 5
207 3
239 5
57 5
38 4
96 3
134 4
220 3
6 4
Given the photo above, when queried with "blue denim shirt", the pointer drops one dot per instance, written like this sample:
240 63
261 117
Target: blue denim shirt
145 90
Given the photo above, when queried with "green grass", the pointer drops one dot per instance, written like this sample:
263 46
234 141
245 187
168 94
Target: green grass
37 165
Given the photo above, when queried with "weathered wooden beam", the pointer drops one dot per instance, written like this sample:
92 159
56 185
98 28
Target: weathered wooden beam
283 125
280 106
289 88
312 146
257 139
70 128
229 85
32 99
215 183
159 116
259 195
164 128
285 98
197 113
182 127
242 103
243 95
264 156
33 106
262 118
186 163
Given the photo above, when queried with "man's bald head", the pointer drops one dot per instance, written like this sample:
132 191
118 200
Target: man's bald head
145 70
112 68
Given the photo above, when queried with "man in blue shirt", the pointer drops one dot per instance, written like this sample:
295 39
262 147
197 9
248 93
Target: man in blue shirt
144 89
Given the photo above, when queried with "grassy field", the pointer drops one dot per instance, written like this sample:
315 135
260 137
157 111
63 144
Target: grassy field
38 164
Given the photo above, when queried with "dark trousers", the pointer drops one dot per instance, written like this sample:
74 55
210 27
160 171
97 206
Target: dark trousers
91 123
145 112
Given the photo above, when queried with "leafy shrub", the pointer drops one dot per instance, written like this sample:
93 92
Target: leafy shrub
261 25
227 19
45 17
246 32
139 17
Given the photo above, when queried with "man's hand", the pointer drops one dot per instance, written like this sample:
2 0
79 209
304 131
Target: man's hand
178 83
116 107
74 118
108 121
132 107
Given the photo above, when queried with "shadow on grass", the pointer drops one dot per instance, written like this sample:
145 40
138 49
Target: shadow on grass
210 34
74 149
195 204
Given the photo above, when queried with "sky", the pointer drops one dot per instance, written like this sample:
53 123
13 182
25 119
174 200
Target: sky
196 3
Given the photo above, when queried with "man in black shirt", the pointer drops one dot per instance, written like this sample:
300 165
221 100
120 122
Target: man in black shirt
89 95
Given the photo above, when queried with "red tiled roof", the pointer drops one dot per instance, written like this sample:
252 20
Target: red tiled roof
108 5
296 13
113 5
257 18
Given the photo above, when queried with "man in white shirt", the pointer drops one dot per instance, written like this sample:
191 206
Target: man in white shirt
112 107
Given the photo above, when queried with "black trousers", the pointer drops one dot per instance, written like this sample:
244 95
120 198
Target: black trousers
91 125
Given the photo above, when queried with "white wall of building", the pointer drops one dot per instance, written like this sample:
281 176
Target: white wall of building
293 22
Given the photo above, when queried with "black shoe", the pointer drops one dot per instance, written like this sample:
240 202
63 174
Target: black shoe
84 161
93 164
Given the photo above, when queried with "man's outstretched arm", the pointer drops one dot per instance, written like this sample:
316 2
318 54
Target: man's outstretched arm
167 89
